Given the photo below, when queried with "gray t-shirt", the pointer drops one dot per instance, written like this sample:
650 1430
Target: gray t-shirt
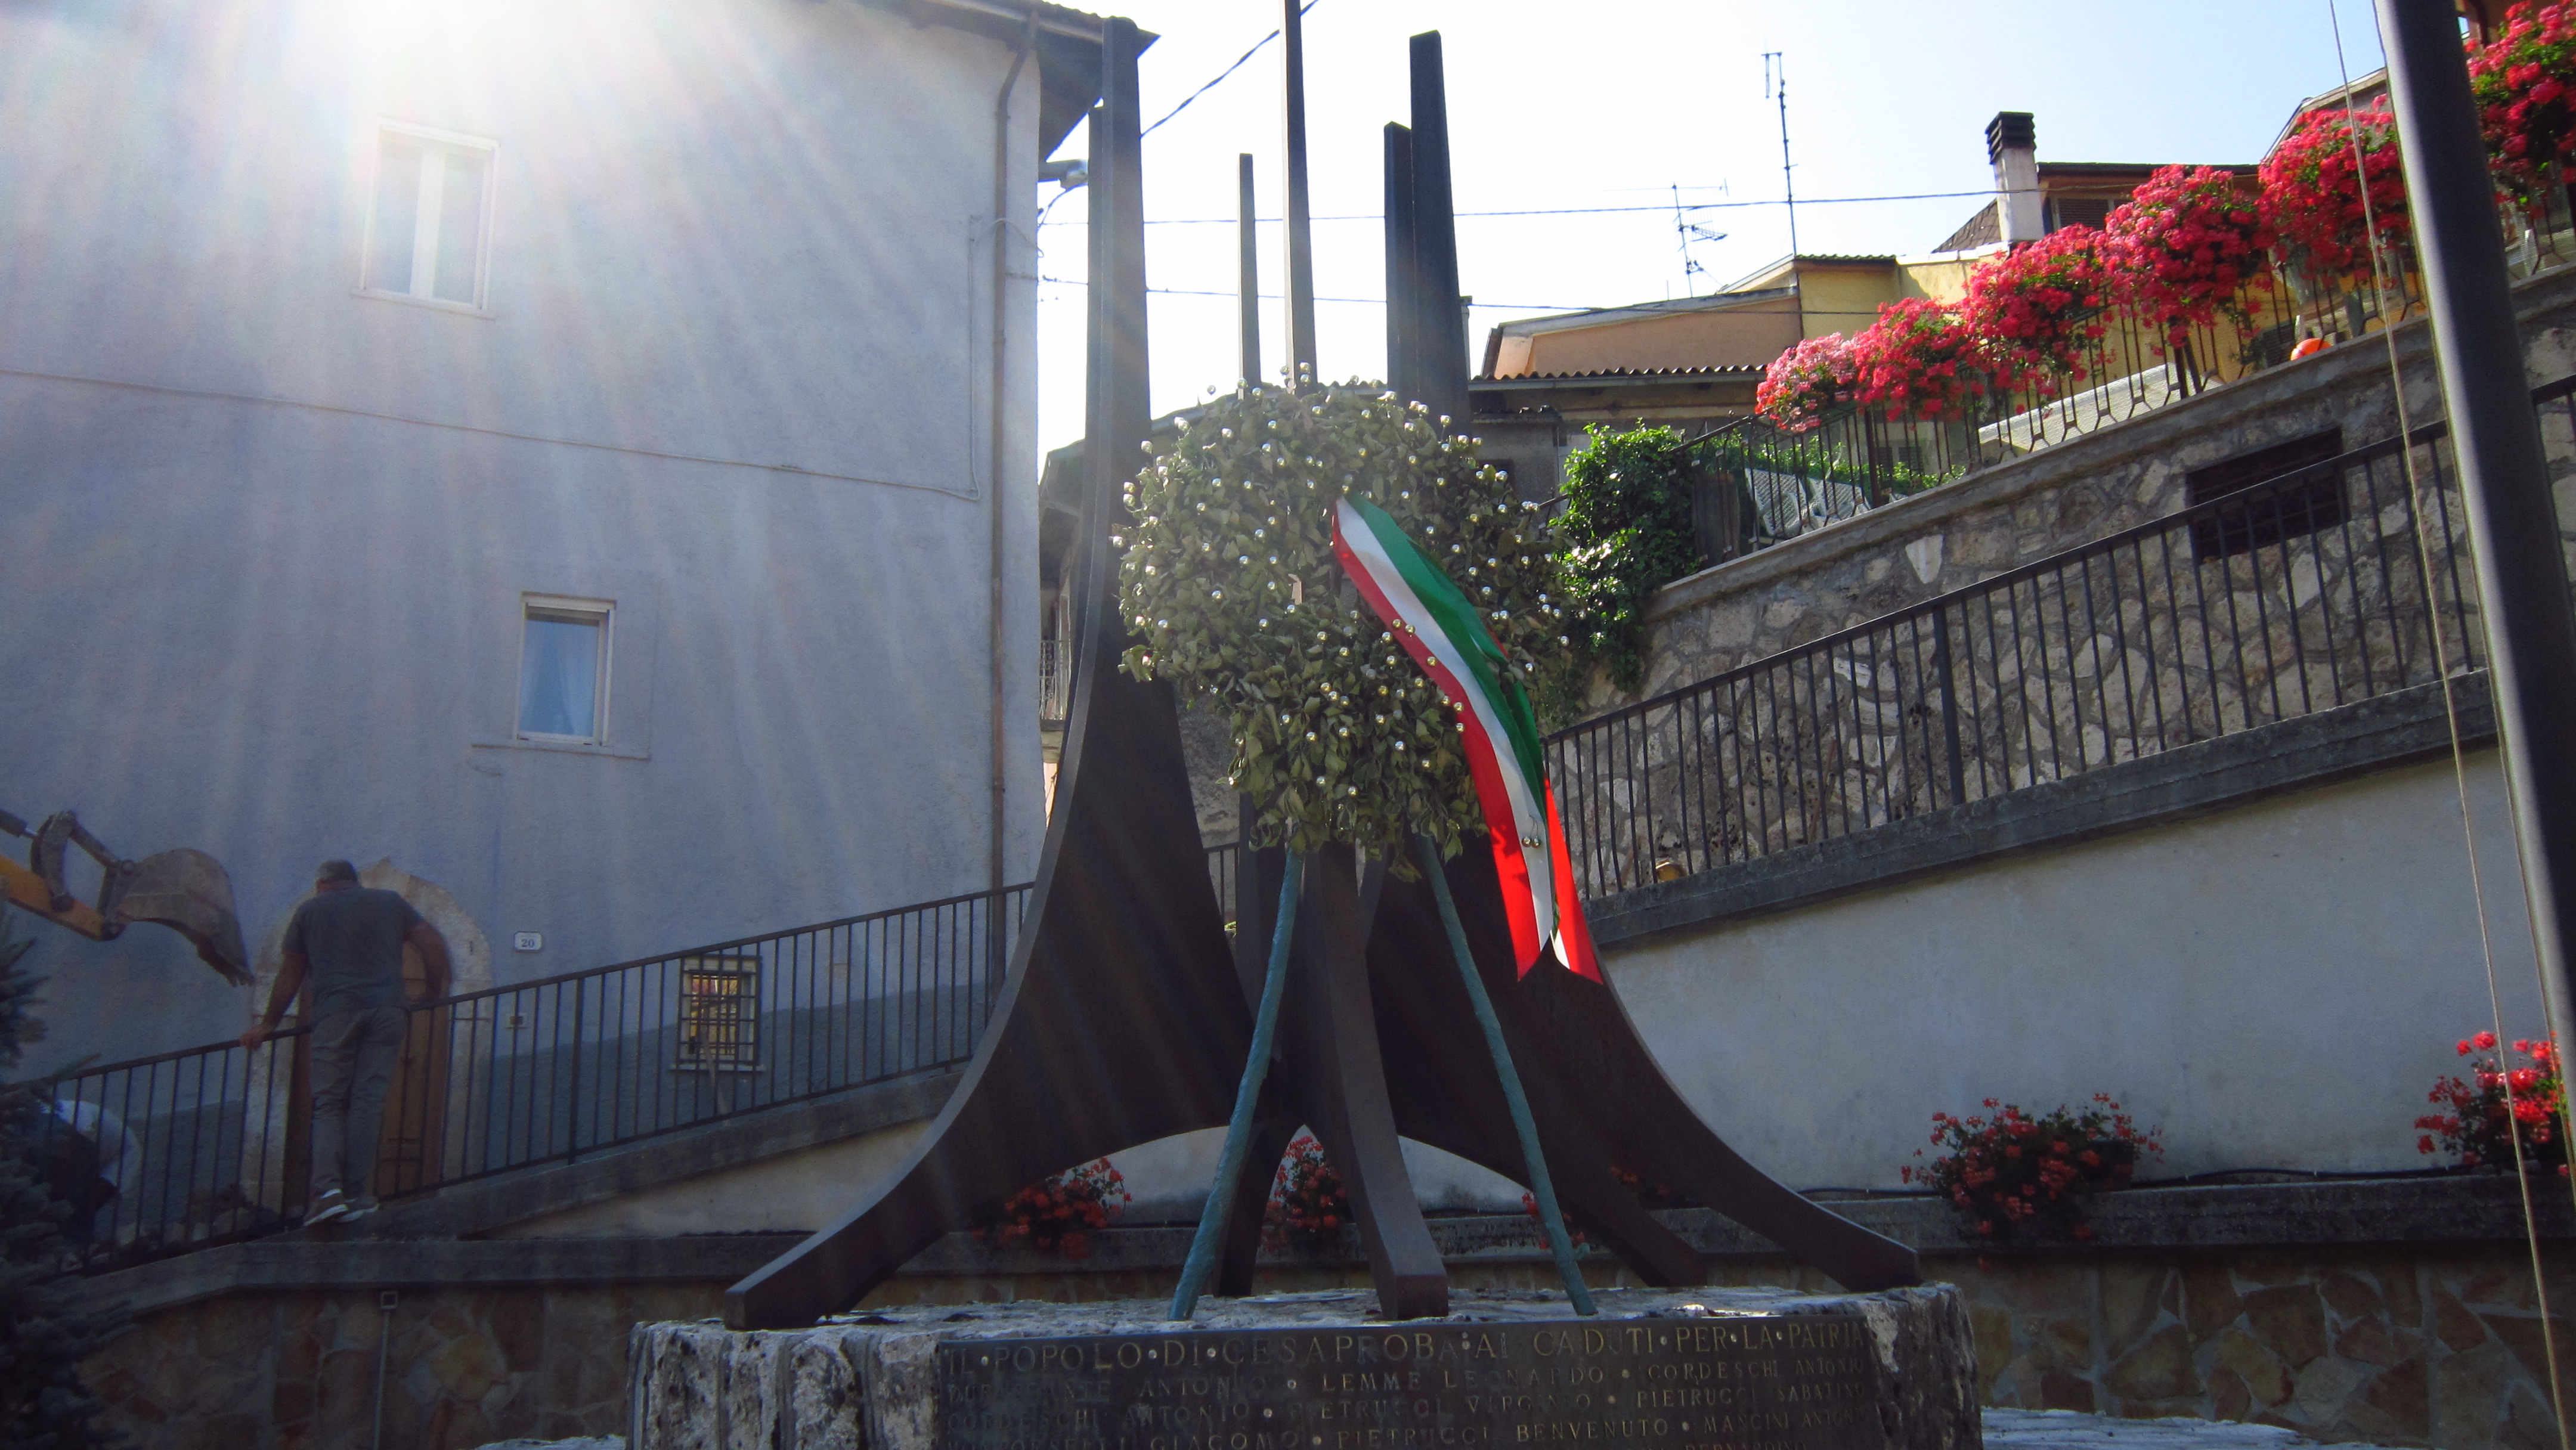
353 940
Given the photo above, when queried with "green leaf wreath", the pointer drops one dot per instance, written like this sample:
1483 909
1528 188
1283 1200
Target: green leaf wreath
1229 582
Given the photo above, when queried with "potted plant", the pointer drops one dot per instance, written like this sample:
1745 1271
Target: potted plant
1307 1206
1920 360
2039 310
2015 1175
1803 382
2314 192
2524 82
1058 1214
2186 247
2498 1110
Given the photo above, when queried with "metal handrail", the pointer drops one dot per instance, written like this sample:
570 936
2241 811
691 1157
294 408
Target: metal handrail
206 1145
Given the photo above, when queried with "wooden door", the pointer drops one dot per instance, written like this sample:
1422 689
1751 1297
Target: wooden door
409 1144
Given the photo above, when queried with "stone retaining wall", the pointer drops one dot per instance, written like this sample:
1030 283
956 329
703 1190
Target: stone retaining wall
2434 1344
462 1367
2060 498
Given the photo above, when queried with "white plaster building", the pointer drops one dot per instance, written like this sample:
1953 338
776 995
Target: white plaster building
556 446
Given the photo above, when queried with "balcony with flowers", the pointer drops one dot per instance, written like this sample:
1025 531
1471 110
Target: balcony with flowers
2203 276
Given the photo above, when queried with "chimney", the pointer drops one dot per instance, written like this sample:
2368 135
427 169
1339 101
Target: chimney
2012 144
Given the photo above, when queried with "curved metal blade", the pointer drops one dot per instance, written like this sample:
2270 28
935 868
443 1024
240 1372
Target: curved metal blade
188 892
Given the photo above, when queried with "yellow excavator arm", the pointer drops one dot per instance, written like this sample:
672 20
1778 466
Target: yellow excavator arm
184 890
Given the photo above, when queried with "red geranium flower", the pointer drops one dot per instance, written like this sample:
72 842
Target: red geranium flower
2524 81
2313 190
1919 359
1990 1177
2039 308
2186 246
1803 382
2497 1105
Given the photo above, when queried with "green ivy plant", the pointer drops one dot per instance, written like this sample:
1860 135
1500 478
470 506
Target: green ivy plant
1625 533
1228 580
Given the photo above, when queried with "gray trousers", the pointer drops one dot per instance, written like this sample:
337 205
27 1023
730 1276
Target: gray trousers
353 1067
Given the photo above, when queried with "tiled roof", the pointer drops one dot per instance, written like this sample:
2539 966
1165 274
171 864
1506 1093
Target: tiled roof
1624 373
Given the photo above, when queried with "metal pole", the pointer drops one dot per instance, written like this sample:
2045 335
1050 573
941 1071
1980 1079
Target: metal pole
1301 241
1403 302
1439 325
2504 475
1551 1220
1004 718
1210 1238
1248 325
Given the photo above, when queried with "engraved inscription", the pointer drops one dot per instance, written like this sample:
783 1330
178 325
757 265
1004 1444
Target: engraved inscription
1775 1382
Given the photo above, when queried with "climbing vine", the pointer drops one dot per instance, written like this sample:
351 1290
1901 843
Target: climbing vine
1228 580
1625 533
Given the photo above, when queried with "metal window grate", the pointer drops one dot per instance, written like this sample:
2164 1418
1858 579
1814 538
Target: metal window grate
719 1013
2266 518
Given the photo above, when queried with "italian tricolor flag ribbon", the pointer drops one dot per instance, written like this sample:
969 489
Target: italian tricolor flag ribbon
1435 623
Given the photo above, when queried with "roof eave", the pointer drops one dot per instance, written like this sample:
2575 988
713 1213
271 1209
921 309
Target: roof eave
1068 50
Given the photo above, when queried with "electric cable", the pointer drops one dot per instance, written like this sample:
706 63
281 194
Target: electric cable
1210 221
1221 75
1369 301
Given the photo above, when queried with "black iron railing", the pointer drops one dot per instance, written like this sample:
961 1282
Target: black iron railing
210 1145
1767 483
2318 588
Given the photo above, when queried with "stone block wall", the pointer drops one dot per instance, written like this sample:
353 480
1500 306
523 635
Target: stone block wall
2390 1344
2380 1345
462 1367
2062 497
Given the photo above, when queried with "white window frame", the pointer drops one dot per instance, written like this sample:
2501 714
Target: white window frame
535 606
426 217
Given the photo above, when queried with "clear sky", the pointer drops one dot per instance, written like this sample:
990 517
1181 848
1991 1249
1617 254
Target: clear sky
1613 104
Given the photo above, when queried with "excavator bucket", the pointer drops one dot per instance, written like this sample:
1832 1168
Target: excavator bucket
188 892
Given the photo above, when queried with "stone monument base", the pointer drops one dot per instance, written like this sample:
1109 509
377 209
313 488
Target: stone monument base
1696 1369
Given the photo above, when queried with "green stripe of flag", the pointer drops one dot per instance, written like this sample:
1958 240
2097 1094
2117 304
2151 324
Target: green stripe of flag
1458 620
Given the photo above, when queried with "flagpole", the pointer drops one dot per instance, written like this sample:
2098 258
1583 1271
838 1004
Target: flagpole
1550 1218
1210 1239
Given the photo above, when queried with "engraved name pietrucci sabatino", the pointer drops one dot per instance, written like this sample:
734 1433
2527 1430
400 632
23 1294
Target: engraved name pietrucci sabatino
1775 1382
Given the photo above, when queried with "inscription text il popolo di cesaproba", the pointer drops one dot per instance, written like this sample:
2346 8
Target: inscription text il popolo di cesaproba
1718 1384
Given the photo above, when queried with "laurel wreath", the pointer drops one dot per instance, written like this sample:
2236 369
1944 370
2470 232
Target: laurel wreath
1229 582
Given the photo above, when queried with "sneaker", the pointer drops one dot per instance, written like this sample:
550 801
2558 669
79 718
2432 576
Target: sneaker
330 1204
361 1207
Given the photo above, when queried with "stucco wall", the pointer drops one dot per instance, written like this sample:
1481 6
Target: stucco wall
2272 986
735 377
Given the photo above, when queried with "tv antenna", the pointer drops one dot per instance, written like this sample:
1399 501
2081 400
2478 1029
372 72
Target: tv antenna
1775 86
1686 232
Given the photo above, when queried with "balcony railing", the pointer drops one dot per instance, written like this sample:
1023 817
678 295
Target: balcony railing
2338 582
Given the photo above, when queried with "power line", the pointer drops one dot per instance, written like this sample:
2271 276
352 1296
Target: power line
1221 75
1197 221
1368 301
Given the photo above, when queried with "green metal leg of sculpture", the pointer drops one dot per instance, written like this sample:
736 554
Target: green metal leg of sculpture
1551 1220
1247 1095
